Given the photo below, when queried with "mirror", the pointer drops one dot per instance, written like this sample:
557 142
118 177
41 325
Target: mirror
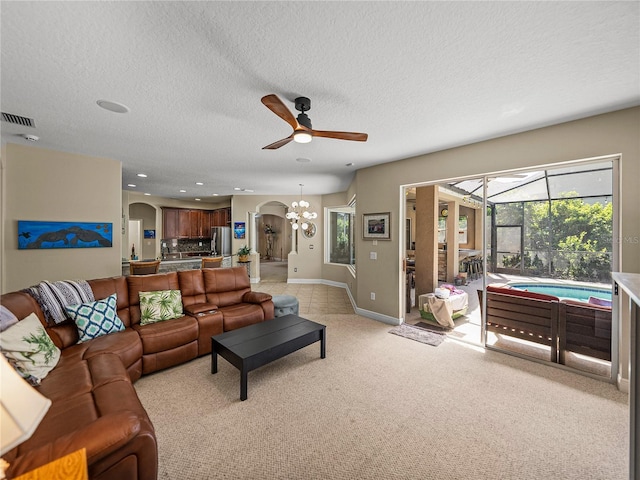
311 231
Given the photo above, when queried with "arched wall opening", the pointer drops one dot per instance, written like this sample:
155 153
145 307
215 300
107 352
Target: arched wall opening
143 238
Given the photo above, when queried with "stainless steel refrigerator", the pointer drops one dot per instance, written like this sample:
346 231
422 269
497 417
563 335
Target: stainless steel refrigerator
221 241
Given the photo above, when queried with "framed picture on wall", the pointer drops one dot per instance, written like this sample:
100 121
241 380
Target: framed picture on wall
37 235
239 230
376 226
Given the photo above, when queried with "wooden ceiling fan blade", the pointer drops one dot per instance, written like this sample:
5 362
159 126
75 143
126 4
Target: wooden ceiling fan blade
357 137
273 103
279 143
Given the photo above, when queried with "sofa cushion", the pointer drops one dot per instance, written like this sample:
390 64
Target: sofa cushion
95 319
160 305
226 286
602 302
241 315
147 283
54 297
192 287
7 318
103 287
28 347
161 336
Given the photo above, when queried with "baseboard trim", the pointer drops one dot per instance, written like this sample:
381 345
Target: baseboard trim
378 316
360 311
623 384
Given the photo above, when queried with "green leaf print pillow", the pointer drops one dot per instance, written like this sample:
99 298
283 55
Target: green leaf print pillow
159 306
29 348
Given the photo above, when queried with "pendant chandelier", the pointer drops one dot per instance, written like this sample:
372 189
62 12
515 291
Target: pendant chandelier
300 215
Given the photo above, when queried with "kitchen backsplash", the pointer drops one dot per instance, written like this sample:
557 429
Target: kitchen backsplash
194 245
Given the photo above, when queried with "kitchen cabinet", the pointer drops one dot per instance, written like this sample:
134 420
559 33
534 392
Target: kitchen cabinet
170 223
192 223
205 223
184 225
221 217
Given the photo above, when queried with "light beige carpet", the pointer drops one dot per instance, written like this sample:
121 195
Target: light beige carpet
385 407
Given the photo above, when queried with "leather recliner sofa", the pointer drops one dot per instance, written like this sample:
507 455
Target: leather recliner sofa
94 403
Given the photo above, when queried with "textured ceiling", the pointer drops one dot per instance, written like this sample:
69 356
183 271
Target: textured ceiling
416 76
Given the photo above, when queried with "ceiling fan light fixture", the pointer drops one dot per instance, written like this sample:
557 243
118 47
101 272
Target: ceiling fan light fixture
302 137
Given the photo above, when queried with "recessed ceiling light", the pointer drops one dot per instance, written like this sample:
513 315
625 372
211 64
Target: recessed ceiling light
132 185
113 106
215 194
237 189
183 191
142 175
31 138
199 183
303 160
147 194
197 199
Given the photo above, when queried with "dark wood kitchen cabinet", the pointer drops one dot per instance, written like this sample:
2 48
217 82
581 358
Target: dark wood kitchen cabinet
191 222
184 224
170 223
194 221
205 223
221 217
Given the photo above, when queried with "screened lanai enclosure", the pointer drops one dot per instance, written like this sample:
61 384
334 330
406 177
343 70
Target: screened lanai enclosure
550 223
534 252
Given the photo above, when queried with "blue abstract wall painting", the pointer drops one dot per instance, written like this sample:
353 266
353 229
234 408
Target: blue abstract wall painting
239 230
45 235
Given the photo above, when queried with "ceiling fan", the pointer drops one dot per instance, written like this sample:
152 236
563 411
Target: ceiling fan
302 131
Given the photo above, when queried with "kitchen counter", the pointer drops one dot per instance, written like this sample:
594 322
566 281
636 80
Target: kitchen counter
178 264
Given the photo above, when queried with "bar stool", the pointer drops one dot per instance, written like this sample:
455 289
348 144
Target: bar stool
144 268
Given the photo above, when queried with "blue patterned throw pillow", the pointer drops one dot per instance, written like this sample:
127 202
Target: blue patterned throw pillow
95 319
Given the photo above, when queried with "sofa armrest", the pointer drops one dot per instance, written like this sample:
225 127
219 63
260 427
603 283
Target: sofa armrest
256 297
198 308
100 438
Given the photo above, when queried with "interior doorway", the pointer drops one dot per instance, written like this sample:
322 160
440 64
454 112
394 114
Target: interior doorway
273 243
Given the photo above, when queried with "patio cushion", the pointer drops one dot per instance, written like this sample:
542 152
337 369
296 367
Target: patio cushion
521 293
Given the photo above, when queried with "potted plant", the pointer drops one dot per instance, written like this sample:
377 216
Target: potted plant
243 253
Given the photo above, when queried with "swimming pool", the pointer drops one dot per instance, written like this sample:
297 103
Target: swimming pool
573 292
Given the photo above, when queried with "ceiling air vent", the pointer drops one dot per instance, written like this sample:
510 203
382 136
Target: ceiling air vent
18 120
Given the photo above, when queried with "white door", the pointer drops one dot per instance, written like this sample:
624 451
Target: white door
135 238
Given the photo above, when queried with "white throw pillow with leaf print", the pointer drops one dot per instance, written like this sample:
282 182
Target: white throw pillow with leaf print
159 306
28 346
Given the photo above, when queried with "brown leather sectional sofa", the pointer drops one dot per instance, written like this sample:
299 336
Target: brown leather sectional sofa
94 403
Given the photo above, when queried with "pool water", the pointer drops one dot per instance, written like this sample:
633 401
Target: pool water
573 292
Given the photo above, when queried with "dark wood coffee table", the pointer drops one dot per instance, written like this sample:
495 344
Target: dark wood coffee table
252 347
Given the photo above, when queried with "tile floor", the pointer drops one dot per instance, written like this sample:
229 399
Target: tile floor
311 298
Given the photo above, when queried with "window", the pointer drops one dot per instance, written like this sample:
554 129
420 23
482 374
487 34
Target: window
341 235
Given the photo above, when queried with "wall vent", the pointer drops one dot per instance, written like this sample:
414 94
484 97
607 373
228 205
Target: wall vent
18 120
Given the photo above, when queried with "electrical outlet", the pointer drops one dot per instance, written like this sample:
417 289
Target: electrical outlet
295 269
373 256
373 296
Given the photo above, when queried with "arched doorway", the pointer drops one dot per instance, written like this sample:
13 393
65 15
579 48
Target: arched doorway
143 236
273 242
